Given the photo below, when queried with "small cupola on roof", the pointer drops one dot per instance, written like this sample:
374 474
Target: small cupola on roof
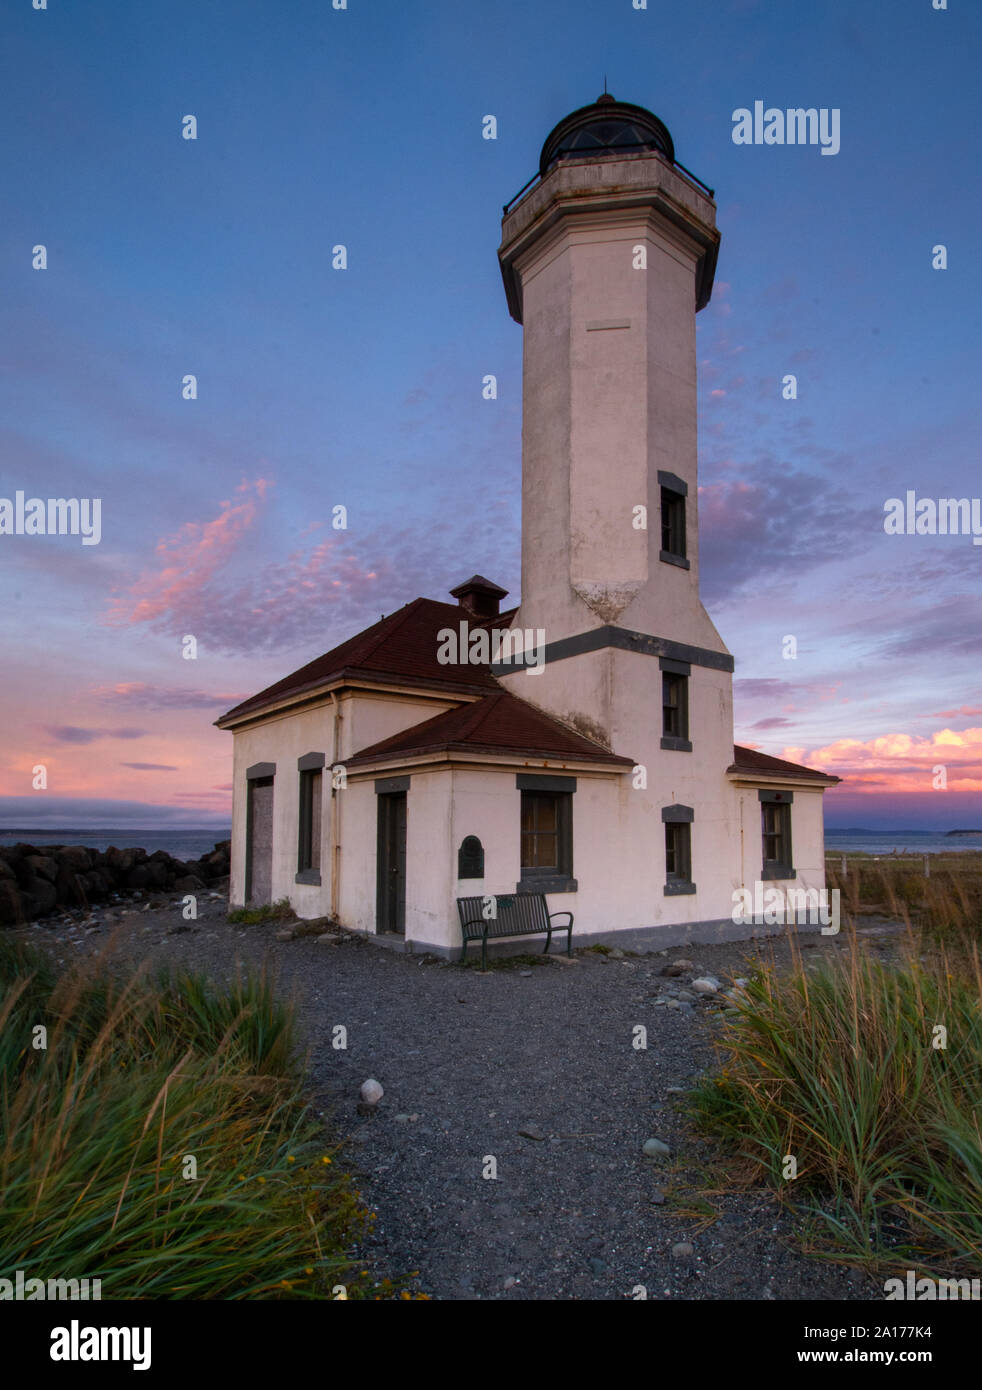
479 596
606 127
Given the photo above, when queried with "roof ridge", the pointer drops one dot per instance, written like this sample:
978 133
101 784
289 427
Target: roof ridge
394 620
480 710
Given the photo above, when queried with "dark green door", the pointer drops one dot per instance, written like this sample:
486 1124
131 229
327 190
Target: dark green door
391 902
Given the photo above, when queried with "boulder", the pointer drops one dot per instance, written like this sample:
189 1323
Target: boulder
6 871
158 871
76 857
123 860
22 870
188 883
97 882
42 895
69 887
43 865
14 906
137 877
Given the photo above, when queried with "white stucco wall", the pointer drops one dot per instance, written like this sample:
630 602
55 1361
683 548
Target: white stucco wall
282 739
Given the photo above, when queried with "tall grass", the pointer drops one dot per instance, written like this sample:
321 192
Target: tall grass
838 1068
144 1079
947 901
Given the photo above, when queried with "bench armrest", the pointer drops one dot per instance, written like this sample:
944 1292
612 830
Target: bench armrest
562 914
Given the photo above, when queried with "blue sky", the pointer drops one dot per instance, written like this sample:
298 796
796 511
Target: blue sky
362 387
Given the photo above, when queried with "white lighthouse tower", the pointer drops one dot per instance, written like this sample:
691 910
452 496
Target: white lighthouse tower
606 263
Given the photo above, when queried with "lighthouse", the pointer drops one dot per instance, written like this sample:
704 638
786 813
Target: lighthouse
576 761
606 262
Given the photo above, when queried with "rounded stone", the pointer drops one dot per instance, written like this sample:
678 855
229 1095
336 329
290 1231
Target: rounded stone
371 1092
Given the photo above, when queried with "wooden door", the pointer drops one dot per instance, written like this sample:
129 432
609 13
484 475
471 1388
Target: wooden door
259 841
391 900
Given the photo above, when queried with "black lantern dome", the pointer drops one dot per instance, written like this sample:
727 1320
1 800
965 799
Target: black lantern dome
606 127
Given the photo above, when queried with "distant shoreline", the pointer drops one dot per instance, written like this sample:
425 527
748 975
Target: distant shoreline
114 829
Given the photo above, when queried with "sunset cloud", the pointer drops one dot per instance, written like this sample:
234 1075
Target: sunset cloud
72 733
145 696
189 561
902 762
204 584
209 583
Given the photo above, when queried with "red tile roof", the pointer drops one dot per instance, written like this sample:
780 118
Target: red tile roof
498 723
750 760
401 648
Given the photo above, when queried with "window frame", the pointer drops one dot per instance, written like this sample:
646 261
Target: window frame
310 818
547 878
673 520
776 803
562 801
678 822
675 676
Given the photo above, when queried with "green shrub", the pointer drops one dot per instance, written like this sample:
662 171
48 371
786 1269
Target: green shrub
268 912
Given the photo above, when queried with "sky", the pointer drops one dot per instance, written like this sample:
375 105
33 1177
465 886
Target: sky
361 388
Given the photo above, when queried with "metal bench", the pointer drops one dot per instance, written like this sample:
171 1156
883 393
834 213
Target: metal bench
514 914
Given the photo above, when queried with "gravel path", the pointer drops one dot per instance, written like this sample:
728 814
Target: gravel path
531 1065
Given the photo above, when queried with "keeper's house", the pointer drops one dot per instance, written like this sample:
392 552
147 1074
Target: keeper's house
580 745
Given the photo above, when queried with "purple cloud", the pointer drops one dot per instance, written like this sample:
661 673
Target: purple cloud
145 696
71 733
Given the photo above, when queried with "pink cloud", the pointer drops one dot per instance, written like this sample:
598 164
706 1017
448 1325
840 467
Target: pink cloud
904 762
203 585
72 733
189 561
145 696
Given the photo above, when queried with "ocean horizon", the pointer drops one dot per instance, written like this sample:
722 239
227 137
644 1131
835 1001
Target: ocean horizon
898 842
191 842
181 842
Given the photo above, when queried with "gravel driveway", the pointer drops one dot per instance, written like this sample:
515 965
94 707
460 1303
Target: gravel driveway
531 1066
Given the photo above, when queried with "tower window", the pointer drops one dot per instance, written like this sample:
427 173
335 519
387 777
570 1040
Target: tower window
675 712
672 523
